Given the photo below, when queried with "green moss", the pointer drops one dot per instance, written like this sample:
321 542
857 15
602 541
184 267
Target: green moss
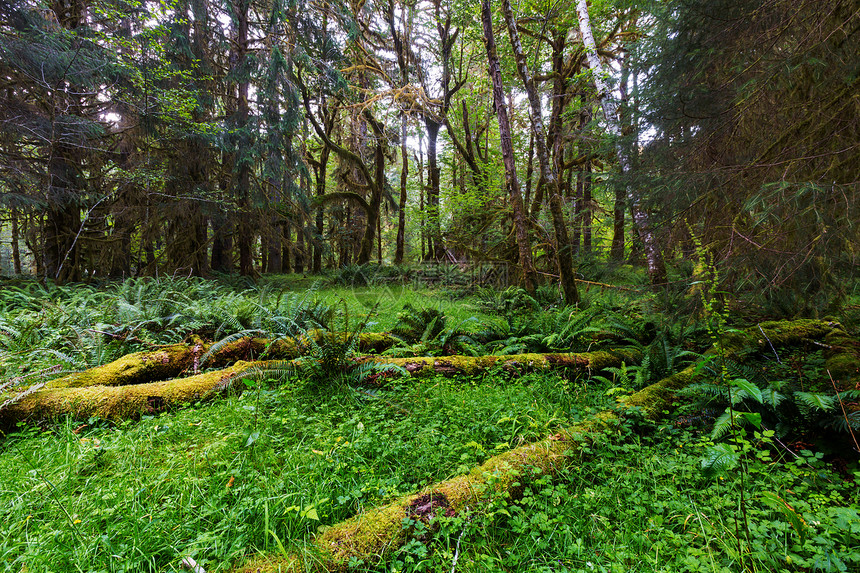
135 368
472 365
118 402
366 536
653 399
785 332
375 341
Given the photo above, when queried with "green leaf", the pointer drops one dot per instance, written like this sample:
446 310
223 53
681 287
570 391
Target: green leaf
722 425
779 504
310 512
749 387
772 398
252 438
719 460
813 401
753 418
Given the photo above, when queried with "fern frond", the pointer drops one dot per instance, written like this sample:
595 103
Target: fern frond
771 397
224 341
722 425
719 459
813 401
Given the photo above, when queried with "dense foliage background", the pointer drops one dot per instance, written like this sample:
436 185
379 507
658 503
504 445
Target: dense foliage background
139 138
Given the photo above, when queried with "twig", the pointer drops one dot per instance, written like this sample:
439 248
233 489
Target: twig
457 549
122 337
770 343
22 395
845 414
778 441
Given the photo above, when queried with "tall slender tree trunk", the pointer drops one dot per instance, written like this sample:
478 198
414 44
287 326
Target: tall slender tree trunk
530 168
401 205
16 249
434 189
513 184
421 190
548 173
299 250
273 246
617 250
243 180
641 219
286 248
321 175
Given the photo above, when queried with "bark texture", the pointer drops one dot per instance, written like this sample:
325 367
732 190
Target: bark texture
653 256
513 184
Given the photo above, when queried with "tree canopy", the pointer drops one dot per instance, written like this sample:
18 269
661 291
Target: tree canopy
281 135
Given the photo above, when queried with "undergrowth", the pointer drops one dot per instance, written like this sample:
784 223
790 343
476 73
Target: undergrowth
210 482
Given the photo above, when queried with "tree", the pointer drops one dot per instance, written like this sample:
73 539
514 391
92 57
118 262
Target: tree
756 142
654 258
512 181
549 173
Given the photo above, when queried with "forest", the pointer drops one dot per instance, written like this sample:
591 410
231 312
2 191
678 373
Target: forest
429 285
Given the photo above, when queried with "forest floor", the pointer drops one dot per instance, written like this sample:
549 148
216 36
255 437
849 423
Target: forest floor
260 472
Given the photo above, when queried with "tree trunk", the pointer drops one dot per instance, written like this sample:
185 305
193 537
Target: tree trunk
641 219
16 249
239 55
401 206
421 201
274 263
548 172
513 184
433 190
62 223
286 248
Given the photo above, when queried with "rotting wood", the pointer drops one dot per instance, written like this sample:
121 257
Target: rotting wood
174 360
370 535
84 401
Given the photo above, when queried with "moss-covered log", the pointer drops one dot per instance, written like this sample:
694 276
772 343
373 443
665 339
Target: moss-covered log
471 365
136 368
176 359
120 402
71 396
371 534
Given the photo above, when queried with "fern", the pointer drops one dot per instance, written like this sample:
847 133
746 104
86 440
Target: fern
719 460
722 425
815 402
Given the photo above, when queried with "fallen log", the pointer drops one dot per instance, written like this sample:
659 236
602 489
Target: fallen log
84 401
174 360
371 534
471 365
79 395
118 402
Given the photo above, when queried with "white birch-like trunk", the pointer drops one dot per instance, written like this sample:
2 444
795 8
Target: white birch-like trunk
656 268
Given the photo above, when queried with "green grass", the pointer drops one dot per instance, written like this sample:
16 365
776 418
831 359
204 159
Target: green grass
209 481
638 502
225 480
